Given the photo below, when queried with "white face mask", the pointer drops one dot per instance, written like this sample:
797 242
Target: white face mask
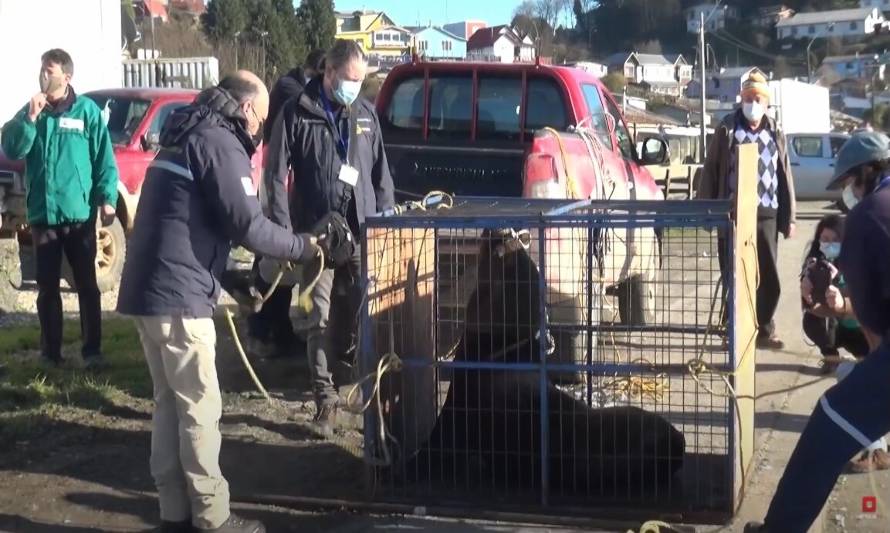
753 111
849 197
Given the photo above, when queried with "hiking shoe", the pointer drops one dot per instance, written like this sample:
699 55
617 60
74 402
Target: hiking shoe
326 419
175 527
51 362
755 527
770 342
827 367
94 362
236 524
862 464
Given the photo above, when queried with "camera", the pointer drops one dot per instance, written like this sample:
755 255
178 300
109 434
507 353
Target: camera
820 278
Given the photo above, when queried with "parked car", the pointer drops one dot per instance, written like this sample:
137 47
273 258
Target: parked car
526 130
812 161
134 117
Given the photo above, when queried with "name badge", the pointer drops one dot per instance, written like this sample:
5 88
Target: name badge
348 175
68 123
247 184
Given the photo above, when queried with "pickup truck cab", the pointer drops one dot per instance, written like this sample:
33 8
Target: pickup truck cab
134 118
534 131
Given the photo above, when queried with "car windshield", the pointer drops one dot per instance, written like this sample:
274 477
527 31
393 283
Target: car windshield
122 115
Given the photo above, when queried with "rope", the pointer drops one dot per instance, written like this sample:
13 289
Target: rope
571 185
653 526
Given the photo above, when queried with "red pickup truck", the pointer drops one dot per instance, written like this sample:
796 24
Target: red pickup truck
134 117
536 131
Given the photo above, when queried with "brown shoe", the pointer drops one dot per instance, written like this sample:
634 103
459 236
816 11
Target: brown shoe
862 464
770 342
881 459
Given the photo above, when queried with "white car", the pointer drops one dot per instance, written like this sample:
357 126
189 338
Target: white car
812 163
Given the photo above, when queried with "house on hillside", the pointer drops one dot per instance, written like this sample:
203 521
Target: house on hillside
848 23
464 29
715 16
151 9
656 73
501 44
852 66
769 16
883 5
360 26
436 43
724 86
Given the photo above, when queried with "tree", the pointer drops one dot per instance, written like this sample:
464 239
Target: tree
224 19
319 23
615 82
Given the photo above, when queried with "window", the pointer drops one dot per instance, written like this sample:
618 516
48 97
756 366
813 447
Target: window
597 114
837 142
544 106
808 146
794 32
625 144
812 29
498 108
124 116
451 107
161 116
854 26
422 46
406 107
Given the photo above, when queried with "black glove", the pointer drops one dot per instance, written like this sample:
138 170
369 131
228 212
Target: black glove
820 278
335 239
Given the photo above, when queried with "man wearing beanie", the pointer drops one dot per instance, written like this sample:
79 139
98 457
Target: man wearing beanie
775 191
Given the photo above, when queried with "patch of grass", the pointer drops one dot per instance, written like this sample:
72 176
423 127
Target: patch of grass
26 383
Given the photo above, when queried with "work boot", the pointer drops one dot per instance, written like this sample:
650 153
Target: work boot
94 363
326 419
770 342
755 527
236 524
175 527
51 362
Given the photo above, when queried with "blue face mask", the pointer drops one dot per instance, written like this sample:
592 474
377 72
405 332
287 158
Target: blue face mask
347 91
831 250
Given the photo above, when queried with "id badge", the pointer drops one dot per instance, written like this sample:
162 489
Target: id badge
348 175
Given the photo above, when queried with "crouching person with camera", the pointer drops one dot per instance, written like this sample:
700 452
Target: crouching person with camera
197 200
853 414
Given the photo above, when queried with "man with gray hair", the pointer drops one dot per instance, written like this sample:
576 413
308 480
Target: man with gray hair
330 139
197 200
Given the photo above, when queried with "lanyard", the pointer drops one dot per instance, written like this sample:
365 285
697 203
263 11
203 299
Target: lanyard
342 141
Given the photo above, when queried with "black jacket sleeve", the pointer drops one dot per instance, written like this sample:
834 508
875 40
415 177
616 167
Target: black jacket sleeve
276 166
380 176
227 188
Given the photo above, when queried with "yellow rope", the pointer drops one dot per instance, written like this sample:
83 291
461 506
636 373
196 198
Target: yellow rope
652 526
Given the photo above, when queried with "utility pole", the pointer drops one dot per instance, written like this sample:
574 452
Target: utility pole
263 35
703 64
237 33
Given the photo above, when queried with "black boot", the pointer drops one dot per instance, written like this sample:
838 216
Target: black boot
236 524
175 527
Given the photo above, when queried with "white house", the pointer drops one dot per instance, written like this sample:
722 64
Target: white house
656 72
597 68
501 44
883 5
852 66
715 16
850 23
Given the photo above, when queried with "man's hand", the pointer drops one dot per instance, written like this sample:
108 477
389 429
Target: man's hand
834 300
107 215
790 234
38 103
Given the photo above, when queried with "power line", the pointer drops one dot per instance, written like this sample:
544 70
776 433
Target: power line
738 43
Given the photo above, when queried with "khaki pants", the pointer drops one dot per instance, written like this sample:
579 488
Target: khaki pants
185 437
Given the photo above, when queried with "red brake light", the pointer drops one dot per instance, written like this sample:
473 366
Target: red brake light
542 178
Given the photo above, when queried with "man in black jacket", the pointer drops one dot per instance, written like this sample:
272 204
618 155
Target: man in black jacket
331 140
197 199
270 330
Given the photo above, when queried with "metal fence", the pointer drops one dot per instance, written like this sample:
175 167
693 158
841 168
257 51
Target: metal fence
552 357
184 73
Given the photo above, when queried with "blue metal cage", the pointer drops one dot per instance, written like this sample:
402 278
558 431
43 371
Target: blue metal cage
537 355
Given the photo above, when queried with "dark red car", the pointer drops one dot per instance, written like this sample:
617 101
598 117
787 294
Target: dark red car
134 117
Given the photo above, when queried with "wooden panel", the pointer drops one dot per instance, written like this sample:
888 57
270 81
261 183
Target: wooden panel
745 305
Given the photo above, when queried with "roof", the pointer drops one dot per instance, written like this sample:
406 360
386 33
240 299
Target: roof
848 58
485 37
395 28
736 72
823 17
654 59
618 58
443 31
148 93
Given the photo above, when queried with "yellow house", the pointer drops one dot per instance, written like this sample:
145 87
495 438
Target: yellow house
375 31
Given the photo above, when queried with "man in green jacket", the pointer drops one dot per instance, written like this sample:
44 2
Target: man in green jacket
71 177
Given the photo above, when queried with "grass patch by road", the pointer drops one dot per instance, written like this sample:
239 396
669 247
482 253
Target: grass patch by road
30 393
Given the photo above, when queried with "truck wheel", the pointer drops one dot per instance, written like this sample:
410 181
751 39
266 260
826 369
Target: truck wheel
111 249
634 301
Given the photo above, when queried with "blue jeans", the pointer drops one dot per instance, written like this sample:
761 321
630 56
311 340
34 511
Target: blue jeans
849 417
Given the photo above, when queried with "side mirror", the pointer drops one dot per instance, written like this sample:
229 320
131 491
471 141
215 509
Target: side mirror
655 152
151 141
